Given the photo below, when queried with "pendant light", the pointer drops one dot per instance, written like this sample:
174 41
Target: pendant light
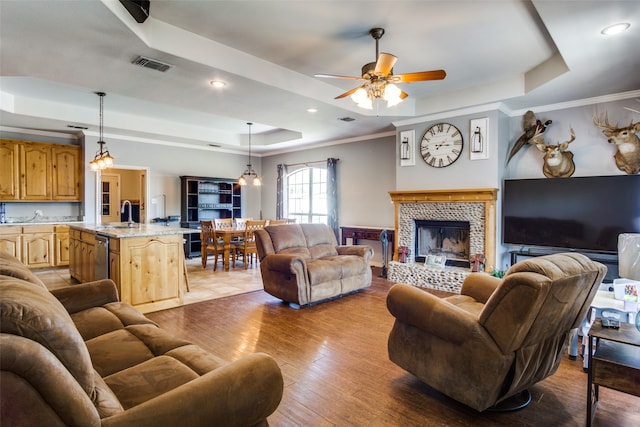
102 159
249 173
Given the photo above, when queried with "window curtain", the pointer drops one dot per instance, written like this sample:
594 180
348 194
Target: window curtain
332 196
280 192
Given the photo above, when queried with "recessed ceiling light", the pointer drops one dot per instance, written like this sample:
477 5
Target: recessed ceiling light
217 83
312 110
615 28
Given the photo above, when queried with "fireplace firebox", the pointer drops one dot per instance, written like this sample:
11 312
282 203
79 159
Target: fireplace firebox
443 238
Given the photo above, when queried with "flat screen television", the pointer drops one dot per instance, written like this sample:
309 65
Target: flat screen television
583 213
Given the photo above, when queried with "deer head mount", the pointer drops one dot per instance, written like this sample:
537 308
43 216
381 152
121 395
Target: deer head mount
557 160
627 143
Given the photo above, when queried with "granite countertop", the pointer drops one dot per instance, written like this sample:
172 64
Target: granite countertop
120 230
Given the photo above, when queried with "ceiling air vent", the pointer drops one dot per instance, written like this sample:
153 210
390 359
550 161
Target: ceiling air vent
151 63
346 119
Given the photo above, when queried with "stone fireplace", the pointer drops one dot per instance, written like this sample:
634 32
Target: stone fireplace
473 206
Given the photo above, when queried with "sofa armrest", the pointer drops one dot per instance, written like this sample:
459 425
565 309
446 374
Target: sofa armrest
286 263
431 314
480 286
364 251
76 298
242 393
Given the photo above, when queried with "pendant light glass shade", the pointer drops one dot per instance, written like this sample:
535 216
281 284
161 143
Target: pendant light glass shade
249 173
102 160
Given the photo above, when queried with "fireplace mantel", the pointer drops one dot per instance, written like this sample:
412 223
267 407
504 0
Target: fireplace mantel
485 196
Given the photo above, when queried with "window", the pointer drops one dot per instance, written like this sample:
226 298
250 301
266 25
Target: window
307 195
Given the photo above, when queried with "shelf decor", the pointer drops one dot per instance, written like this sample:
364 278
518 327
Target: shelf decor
407 148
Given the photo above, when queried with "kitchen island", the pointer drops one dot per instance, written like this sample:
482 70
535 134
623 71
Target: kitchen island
145 261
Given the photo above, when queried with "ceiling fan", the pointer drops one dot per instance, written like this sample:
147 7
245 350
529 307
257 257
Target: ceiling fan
380 80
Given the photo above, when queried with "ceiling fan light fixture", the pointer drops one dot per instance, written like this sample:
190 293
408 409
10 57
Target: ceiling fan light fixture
392 95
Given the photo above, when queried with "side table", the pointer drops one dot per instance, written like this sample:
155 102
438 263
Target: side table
614 364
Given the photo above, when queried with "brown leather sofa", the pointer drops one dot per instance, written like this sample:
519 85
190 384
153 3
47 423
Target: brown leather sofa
76 356
303 263
499 336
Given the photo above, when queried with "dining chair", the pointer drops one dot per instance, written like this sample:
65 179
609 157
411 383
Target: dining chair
220 223
247 247
241 222
277 221
210 244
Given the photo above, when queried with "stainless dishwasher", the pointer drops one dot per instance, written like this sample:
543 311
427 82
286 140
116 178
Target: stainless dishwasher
101 265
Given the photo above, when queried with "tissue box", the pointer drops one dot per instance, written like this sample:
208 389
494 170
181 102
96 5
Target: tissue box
619 287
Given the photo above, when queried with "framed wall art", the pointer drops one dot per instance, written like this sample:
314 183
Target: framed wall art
479 139
408 148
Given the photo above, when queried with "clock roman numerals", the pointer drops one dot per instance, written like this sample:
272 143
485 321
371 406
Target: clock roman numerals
441 145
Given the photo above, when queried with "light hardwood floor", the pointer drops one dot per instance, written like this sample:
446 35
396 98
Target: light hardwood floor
334 359
336 371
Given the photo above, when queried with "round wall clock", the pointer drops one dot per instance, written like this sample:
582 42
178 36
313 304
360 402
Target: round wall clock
441 145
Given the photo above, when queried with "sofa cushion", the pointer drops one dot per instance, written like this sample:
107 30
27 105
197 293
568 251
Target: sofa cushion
28 310
323 270
288 239
321 241
149 379
97 321
123 348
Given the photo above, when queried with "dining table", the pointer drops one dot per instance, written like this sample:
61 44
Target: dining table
227 235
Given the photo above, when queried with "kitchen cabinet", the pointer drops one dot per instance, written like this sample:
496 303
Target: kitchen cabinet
146 263
61 245
9 170
75 255
37 246
66 184
81 254
10 240
36 171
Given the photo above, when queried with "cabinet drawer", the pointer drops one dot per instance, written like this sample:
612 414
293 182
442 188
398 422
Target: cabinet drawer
88 237
10 229
114 245
43 228
61 228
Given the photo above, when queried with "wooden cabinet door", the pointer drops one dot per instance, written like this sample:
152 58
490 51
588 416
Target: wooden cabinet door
61 247
151 269
10 236
35 168
75 254
67 173
9 170
37 250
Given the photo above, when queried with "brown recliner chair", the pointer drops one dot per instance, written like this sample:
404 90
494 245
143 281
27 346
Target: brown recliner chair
499 336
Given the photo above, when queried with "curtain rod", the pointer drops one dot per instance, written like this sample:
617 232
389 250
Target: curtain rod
307 163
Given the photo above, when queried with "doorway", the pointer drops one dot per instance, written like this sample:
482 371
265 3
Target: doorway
119 184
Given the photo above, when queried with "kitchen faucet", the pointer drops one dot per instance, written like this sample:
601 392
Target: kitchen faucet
130 221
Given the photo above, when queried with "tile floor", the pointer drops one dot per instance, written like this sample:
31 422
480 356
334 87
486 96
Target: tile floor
204 284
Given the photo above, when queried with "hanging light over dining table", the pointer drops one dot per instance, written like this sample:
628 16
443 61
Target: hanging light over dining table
249 173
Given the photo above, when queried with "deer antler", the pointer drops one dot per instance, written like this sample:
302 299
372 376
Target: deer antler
606 125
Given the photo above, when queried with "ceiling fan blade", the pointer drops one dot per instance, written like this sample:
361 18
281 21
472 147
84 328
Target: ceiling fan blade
420 76
348 92
385 64
334 76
